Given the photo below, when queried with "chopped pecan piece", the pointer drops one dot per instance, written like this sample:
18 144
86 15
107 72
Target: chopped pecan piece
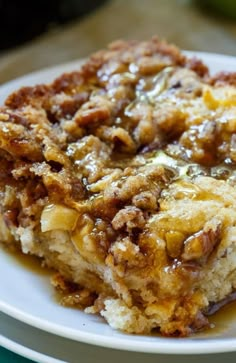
130 217
145 200
118 136
201 244
17 141
97 109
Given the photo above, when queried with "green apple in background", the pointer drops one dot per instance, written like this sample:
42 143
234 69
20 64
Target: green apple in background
223 7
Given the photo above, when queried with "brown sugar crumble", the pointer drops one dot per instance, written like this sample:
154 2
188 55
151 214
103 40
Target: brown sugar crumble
121 176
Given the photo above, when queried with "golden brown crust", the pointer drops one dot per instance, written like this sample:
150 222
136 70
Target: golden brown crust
224 78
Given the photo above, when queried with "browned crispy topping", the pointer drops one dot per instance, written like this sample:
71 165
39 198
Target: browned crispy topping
121 157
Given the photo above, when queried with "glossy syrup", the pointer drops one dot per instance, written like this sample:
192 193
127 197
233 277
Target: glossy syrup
222 319
32 263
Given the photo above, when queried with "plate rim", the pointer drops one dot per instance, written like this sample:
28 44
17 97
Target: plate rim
161 345
48 348
26 352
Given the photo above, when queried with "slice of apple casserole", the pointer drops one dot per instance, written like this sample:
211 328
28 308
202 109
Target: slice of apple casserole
121 177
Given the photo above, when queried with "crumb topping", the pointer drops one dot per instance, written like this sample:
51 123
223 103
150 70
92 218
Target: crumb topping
120 154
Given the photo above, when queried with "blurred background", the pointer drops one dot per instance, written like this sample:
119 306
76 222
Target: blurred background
42 33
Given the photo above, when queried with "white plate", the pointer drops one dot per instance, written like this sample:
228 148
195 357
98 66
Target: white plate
43 347
28 296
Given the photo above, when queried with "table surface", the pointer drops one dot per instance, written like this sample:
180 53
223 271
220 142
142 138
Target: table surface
8 357
178 21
